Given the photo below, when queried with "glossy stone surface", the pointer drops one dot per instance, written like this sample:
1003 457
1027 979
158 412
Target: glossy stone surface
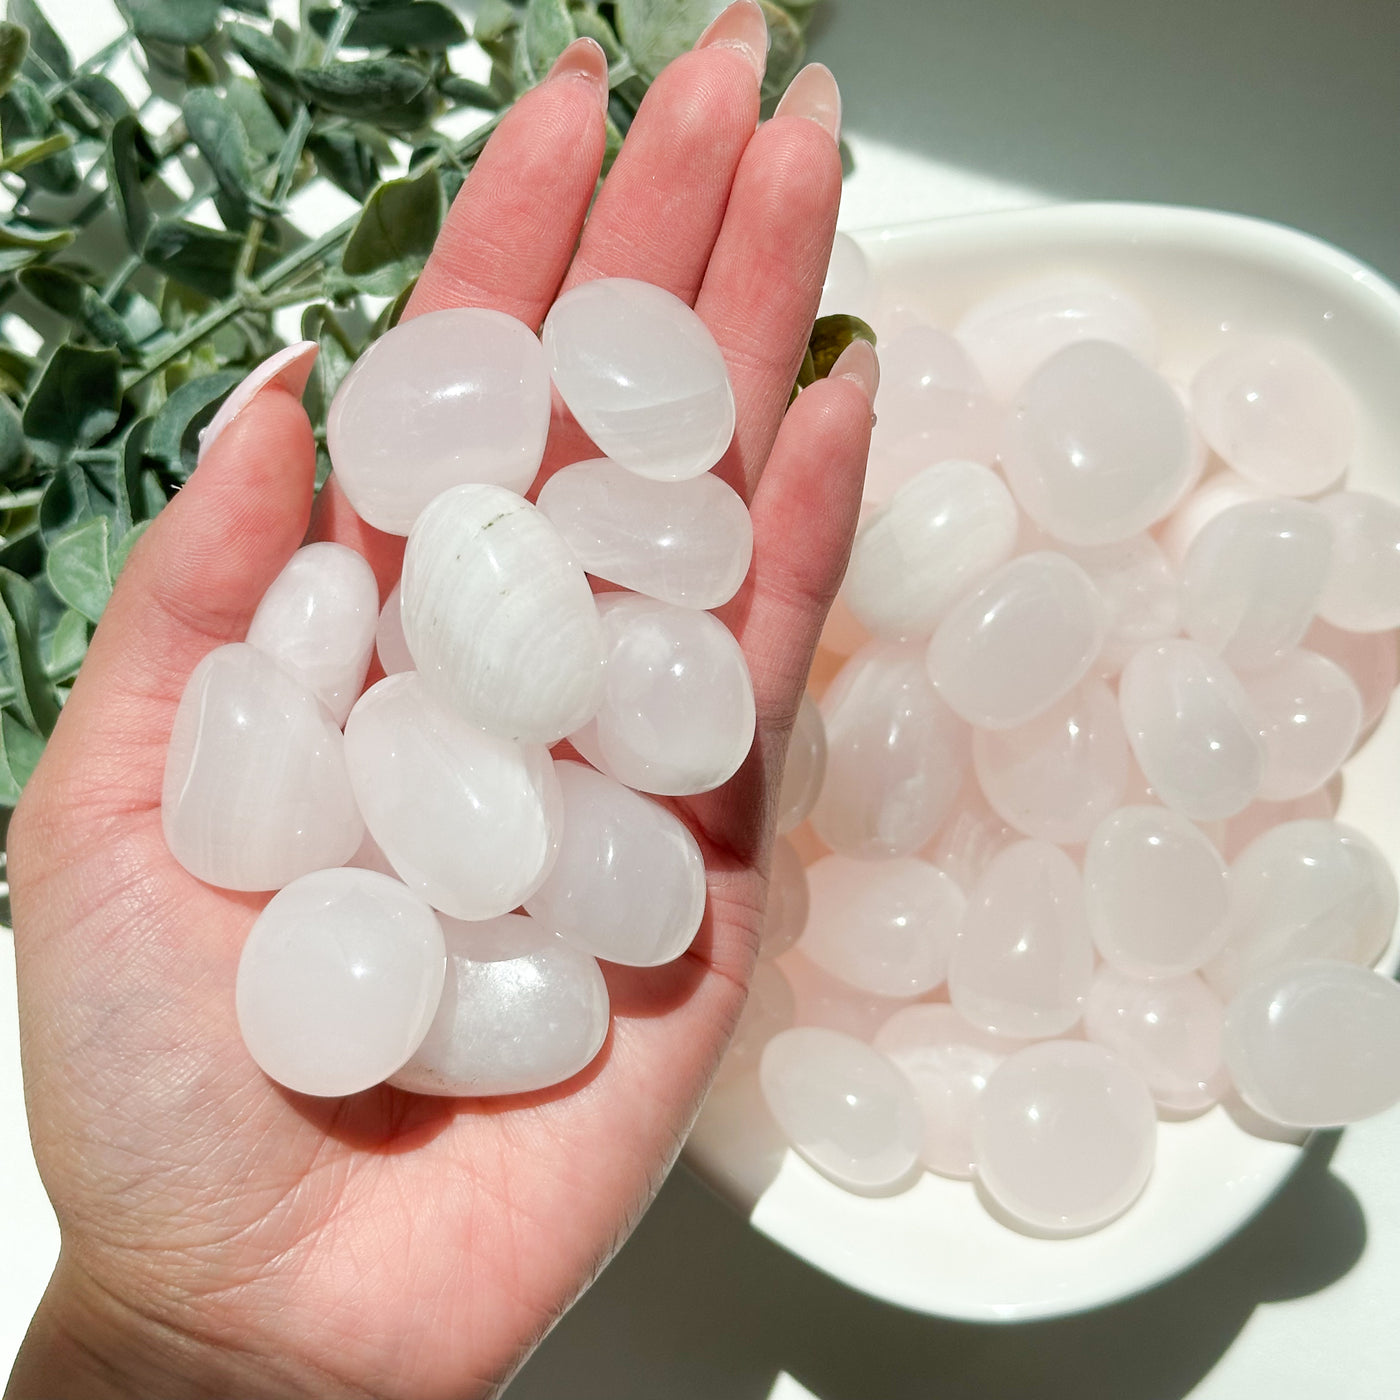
1371 659
1023 961
1242 831
770 1008
1141 594
1023 638
1065 1136
886 927
1098 446
446 398
789 901
256 791
642 375
338 981
1013 332
1252 579
1308 889
948 1062
1057 776
389 644
1156 891
896 755
943 531
970 836
1169 1031
1362 592
685 542
843 1106
499 617
824 1000
1316 1044
628 884
677 714
520 1010
1192 729
1311 713
848 288
317 621
1219 491
470 821
804 770
1276 414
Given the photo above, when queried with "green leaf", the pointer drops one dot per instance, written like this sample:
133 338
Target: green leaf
25 111
265 133
19 156
469 93
345 160
43 39
320 323
174 432
394 234
217 132
546 31
786 48
203 259
78 567
264 55
14 448
409 24
655 34
130 159
591 25
68 643
494 19
99 93
20 751
75 402
393 91
60 290
20 662
124 547
45 240
172 21
14 44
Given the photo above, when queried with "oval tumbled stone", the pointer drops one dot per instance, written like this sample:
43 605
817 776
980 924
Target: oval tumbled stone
643 376
499 617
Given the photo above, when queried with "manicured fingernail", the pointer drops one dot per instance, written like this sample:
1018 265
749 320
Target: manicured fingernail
289 369
813 94
741 27
585 59
859 361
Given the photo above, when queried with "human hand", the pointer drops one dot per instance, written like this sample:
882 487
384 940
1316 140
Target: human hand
221 1235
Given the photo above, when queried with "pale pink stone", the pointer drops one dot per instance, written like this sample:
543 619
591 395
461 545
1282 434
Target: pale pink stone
804 770
1311 713
1371 659
789 900
770 1008
824 1000
1363 587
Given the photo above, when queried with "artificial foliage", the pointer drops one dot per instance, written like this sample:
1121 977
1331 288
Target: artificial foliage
151 246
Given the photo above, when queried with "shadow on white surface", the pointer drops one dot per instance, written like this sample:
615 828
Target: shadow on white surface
698 1306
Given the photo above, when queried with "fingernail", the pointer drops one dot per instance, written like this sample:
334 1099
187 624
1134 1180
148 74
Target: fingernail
289 368
585 59
859 361
741 27
813 94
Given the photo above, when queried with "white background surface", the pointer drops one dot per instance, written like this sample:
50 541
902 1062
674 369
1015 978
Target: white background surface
1281 108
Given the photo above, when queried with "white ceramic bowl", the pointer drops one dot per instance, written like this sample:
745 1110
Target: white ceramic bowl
1207 277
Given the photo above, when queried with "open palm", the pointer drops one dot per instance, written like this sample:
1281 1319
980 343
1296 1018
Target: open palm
222 1235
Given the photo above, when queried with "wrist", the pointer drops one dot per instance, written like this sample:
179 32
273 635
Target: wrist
84 1343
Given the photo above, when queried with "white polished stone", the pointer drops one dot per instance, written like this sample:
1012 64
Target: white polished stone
256 791
628 884
1020 640
1311 712
1218 492
1014 331
1156 891
317 621
1169 1030
789 901
469 820
499 617
1316 1044
1192 729
1141 594
885 927
1307 889
1242 831
338 981
1058 775
1098 446
685 542
896 755
827 1001
520 1010
1276 414
941 533
389 643
1371 659
450 397
1252 579
677 715
844 1107
848 288
769 1008
1065 1135
642 375
1363 587
948 1061
1023 960
804 769
970 836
